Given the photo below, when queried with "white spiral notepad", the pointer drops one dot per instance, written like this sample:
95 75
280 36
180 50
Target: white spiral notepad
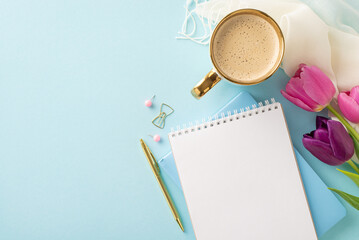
240 177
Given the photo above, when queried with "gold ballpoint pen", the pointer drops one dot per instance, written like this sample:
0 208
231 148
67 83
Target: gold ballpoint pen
156 170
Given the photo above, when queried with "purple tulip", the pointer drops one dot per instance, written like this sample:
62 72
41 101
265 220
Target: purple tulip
349 104
309 89
330 142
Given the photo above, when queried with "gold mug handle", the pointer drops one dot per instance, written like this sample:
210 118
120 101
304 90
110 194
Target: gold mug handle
208 82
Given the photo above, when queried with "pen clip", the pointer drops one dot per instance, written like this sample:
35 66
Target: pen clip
154 161
150 157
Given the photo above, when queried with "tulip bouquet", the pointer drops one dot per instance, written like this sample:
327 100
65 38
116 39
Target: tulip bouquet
332 142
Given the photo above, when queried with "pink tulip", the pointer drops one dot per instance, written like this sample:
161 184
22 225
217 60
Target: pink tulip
349 104
309 89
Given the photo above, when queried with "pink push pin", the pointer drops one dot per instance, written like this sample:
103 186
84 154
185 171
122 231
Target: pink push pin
156 137
148 103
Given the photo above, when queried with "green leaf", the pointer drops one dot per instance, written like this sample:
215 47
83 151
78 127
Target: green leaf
356 145
352 200
354 177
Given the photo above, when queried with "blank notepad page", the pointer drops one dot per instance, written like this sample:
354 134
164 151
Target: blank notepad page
240 178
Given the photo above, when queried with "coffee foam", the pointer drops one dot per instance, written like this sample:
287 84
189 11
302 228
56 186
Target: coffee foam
246 48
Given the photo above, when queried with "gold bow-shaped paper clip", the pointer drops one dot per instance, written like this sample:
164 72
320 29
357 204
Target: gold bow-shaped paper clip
159 121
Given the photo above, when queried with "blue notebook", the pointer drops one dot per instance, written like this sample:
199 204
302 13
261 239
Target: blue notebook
325 208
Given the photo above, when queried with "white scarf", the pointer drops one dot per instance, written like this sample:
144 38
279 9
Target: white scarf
332 45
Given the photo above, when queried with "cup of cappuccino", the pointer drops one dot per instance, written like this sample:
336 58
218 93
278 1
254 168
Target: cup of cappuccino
246 48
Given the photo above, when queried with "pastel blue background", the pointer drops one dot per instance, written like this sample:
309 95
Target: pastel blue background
73 79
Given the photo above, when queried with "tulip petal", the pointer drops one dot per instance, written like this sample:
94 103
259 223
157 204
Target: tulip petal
349 107
295 89
321 122
300 69
317 85
340 141
354 93
309 135
296 101
321 150
322 135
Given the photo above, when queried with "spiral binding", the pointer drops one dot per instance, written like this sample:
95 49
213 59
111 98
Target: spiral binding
222 119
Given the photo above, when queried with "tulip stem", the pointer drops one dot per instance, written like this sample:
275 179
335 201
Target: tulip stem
350 129
353 165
